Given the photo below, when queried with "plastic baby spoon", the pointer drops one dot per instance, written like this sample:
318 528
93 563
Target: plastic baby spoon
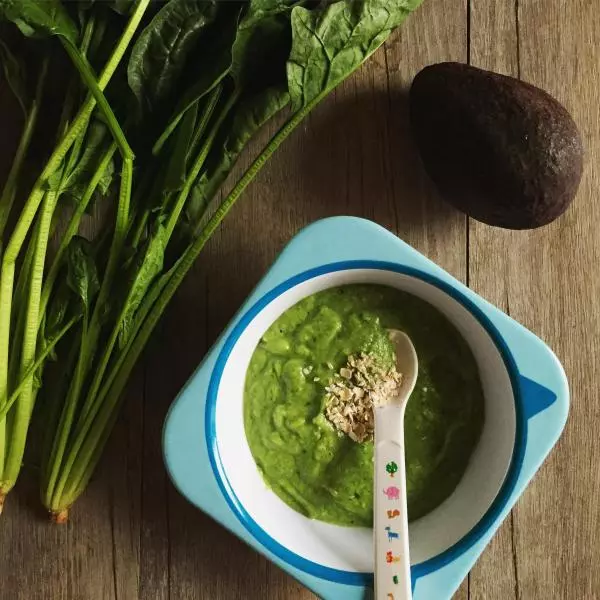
390 519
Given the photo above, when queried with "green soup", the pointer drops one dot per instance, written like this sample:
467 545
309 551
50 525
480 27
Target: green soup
307 463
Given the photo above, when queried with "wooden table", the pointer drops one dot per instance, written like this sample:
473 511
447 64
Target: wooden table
132 535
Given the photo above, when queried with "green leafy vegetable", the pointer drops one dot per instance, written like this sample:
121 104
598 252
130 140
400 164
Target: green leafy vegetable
262 43
160 53
218 47
39 18
13 442
15 77
147 269
205 77
95 145
82 276
252 113
331 43
180 150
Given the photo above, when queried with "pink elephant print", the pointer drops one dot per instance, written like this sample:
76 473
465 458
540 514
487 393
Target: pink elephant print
392 492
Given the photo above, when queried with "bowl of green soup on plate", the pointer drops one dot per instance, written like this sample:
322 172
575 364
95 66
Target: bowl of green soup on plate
287 464
251 439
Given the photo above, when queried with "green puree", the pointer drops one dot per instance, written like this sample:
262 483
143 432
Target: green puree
308 464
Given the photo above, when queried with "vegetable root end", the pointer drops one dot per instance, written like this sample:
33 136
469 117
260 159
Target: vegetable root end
2 498
60 517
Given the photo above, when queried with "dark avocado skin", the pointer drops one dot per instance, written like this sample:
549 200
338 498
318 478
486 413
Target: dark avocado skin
503 151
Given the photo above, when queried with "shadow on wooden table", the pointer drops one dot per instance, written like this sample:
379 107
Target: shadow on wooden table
358 158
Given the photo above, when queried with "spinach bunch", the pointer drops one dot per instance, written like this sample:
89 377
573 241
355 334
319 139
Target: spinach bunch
199 79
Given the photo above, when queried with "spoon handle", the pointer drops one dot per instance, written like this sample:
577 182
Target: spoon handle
390 519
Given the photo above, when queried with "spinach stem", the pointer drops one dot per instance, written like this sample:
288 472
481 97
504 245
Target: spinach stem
7 272
114 256
20 301
207 113
7 198
139 214
91 83
85 444
198 164
140 228
170 226
24 407
6 406
73 226
67 416
2 452
10 188
90 336
172 125
166 134
54 405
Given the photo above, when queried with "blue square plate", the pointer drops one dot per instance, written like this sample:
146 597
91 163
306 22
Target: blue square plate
543 392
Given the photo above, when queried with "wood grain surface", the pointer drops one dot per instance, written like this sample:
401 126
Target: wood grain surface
133 537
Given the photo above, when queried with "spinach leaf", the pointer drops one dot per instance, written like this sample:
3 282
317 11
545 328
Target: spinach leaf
177 166
330 43
123 7
258 61
82 275
262 42
208 74
148 266
14 74
34 18
251 113
95 145
58 309
161 51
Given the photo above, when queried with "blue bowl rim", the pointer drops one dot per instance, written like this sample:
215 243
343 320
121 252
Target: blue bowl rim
338 575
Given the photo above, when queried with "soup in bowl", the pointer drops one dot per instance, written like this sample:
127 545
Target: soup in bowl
303 489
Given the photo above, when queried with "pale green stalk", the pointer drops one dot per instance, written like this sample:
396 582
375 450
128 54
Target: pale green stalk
7 198
114 256
93 430
7 405
198 164
170 226
27 216
207 113
73 226
10 188
24 407
90 335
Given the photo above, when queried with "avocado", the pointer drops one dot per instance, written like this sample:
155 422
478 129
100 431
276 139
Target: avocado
503 151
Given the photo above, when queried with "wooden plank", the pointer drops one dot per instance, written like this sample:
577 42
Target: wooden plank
104 527
493 45
35 562
436 33
123 461
554 290
95 554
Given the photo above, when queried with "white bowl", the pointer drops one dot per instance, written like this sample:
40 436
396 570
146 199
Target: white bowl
349 549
